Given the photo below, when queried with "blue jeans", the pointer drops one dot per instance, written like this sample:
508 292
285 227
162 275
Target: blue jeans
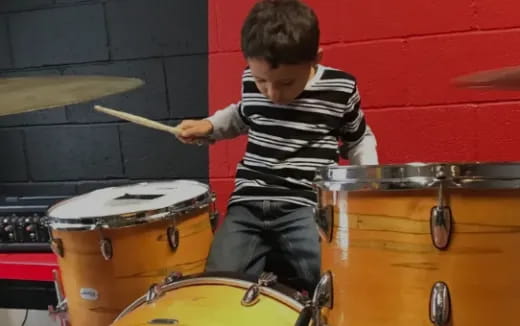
253 229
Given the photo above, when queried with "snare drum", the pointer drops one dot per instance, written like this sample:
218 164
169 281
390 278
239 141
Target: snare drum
422 244
216 299
112 243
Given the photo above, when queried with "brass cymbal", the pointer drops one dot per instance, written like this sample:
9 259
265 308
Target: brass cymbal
507 78
24 94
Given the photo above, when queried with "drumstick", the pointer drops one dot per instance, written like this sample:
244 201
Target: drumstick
138 120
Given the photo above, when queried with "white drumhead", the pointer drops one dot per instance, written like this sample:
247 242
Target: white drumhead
129 199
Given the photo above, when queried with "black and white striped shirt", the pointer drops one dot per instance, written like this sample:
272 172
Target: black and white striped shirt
286 143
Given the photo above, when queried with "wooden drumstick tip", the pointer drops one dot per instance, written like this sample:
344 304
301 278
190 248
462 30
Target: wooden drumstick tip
148 123
138 120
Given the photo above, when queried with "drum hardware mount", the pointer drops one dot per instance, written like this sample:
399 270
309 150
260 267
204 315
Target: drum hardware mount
322 298
441 216
214 214
302 298
440 304
252 295
61 311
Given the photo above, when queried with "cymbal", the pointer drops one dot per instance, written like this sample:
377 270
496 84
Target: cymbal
24 94
507 78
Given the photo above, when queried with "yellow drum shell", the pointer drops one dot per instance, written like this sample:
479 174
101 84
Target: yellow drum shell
213 300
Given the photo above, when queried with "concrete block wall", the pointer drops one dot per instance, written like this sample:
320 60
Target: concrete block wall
70 150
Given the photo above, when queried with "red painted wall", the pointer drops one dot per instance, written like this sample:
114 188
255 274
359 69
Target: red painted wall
404 56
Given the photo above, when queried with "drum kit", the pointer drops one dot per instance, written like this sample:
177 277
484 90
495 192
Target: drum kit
413 244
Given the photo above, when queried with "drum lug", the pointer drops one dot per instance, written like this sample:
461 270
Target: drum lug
214 215
172 278
56 244
440 226
324 220
154 292
173 237
323 294
322 298
252 295
441 221
57 247
440 305
106 248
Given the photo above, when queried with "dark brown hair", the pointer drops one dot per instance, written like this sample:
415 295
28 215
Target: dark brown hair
281 32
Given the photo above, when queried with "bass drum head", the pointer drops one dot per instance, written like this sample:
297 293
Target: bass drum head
214 299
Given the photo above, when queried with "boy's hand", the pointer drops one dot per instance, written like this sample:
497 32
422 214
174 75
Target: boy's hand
194 131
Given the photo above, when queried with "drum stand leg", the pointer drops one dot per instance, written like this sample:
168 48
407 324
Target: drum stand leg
60 312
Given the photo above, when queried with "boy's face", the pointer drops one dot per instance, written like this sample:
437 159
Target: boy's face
283 84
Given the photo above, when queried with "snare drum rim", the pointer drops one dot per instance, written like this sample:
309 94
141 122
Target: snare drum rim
277 291
129 219
499 175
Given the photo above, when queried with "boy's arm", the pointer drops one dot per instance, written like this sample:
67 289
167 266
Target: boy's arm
364 152
359 143
228 123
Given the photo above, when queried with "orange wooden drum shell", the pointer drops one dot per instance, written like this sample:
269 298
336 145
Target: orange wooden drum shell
141 256
384 264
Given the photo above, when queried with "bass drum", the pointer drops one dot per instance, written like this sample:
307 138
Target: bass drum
217 299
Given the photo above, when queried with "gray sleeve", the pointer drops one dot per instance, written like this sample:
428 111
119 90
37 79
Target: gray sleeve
364 152
228 123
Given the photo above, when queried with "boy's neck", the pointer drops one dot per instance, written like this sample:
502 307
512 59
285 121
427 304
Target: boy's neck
313 72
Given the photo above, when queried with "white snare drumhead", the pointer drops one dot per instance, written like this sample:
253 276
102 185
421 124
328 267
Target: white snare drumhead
129 199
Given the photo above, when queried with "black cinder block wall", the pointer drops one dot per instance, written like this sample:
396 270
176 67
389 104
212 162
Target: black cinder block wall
71 150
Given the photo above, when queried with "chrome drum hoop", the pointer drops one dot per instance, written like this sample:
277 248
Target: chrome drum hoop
504 175
177 209
279 293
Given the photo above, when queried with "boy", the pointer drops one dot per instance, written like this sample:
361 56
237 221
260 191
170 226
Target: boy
294 111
